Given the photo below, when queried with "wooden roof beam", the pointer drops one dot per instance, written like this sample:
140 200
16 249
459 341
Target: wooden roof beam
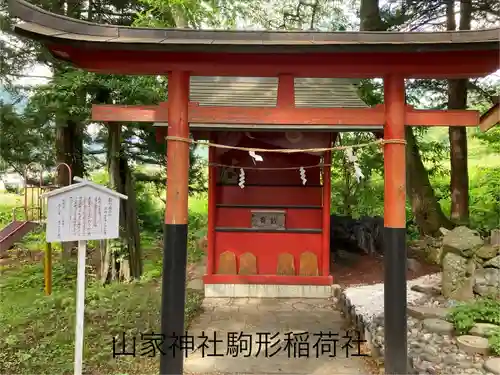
490 118
284 116
435 64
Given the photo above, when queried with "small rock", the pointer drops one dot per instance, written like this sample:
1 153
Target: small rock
483 329
195 284
438 326
487 251
444 231
425 312
494 262
449 359
433 255
336 290
200 270
495 237
413 265
429 357
462 240
473 344
458 282
492 365
426 289
487 282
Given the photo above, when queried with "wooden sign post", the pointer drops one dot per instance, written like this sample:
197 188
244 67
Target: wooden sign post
81 212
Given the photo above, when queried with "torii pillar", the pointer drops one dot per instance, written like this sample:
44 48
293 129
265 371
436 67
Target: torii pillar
395 325
176 226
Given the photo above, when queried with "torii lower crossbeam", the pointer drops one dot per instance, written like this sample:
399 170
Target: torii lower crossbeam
331 117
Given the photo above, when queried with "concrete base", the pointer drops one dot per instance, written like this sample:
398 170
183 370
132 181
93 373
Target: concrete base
268 291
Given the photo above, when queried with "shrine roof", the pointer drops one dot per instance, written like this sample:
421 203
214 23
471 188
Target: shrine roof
53 28
263 92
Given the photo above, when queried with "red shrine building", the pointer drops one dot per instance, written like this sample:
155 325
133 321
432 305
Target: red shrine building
268 229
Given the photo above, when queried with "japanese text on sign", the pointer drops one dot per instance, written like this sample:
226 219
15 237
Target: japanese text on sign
83 214
234 344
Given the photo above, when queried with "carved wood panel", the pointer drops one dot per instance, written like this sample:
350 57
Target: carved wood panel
227 263
285 265
248 264
308 264
268 219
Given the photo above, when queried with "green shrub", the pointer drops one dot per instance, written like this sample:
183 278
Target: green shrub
494 341
464 317
150 209
12 188
483 310
198 222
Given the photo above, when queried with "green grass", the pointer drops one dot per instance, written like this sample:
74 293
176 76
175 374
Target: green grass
479 155
199 204
37 331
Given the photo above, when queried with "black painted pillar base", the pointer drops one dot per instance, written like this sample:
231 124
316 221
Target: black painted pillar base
395 324
173 297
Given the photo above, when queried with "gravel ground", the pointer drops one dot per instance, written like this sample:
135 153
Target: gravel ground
431 353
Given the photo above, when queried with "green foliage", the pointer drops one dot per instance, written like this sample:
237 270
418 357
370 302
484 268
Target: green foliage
23 140
197 226
150 209
484 197
494 342
12 188
464 316
38 331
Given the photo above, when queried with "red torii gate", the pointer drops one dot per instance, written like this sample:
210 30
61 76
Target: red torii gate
184 53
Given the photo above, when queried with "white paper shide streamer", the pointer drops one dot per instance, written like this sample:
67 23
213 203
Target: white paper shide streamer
354 160
303 175
255 157
241 182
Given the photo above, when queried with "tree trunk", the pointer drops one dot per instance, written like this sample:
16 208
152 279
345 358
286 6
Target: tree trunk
370 16
425 207
457 99
121 259
69 134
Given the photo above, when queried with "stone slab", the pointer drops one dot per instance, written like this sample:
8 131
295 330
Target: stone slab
424 312
473 344
492 365
195 284
279 318
268 291
438 326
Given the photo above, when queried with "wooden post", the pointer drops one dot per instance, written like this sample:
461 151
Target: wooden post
212 179
80 307
327 187
47 269
176 227
396 356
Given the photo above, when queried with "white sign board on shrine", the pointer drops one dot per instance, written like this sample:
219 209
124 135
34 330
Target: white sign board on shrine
81 212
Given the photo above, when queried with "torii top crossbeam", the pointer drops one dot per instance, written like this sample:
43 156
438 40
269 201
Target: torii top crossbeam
106 48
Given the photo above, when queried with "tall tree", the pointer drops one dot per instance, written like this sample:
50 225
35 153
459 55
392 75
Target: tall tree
425 206
457 99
